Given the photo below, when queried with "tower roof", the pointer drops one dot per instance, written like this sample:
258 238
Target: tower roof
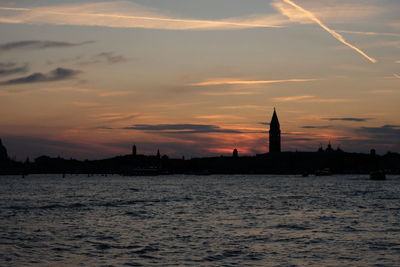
274 120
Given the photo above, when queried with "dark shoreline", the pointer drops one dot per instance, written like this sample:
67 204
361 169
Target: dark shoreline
286 163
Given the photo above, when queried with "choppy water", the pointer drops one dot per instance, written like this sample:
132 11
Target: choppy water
47 220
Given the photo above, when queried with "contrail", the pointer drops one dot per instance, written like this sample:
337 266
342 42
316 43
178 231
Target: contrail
336 35
71 16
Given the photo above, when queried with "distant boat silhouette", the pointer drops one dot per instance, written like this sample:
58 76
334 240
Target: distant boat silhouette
141 172
323 172
202 172
377 175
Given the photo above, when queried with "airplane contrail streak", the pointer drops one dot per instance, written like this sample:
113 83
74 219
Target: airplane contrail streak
70 16
336 35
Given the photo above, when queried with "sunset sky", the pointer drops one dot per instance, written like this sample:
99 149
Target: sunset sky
88 79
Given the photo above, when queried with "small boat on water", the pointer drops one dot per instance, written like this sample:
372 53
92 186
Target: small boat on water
141 172
324 172
377 175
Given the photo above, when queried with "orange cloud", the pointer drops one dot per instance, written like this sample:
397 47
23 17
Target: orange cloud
115 93
243 107
292 98
310 99
218 117
228 81
229 93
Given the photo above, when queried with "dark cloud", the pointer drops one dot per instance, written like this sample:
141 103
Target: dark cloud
58 74
182 128
111 58
12 68
103 128
349 119
105 57
264 123
383 138
386 131
37 44
315 127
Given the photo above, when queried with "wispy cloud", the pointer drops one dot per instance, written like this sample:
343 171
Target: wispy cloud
229 81
115 93
328 100
181 128
379 44
371 33
225 93
243 107
349 119
316 127
36 44
293 98
115 117
335 34
219 117
396 75
10 68
310 99
58 74
382 92
128 15
105 57
83 104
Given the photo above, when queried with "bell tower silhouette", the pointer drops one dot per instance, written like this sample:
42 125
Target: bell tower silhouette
274 134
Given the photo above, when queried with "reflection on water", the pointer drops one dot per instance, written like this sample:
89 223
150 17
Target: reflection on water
47 220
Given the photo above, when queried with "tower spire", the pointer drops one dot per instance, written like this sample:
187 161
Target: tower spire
274 134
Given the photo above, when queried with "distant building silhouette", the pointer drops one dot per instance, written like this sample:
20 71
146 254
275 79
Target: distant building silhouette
3 152
134 150
235 153
274 134
329 149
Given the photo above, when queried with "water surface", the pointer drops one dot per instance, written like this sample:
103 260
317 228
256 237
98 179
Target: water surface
48 220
